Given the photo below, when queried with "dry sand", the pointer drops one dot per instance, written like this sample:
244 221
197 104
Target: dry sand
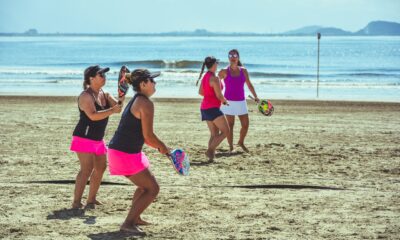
316 170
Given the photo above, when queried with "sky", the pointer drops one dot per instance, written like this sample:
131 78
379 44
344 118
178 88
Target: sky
150 16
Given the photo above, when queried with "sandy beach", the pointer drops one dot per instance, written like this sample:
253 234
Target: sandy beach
316 170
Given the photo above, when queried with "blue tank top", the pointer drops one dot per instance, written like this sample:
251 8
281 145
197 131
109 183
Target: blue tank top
86 128
129 135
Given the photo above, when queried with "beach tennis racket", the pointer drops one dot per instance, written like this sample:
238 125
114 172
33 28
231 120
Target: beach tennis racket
180 161
122 85
264 107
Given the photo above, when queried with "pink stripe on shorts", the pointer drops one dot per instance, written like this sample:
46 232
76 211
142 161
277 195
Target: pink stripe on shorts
85 145
126 164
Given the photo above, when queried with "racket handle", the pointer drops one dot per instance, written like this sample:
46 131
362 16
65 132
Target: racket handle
251 97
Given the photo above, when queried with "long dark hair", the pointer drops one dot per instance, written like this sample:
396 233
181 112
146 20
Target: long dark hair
201 73
208 62
237 52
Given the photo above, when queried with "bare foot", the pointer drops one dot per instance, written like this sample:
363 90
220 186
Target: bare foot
77 205
92 205
210 155
243 147
142 222
132 229
95 202
230 148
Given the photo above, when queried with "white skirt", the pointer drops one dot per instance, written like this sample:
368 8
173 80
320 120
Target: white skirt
235 108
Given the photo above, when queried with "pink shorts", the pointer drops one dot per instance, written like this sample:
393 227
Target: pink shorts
126 164
85 145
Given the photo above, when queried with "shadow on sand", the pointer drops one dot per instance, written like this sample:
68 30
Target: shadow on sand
72 182
285 186
113 235
228 154
67 214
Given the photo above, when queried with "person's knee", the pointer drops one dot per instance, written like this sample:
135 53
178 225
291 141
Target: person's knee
101 169
245 124
85 173
154 189
225 132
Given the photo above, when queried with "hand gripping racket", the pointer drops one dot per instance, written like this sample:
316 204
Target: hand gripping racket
264 106
180 161
122 84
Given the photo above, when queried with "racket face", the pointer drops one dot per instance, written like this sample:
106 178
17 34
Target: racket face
180 161
122 85
265 107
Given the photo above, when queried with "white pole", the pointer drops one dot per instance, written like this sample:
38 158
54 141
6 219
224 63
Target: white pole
319 37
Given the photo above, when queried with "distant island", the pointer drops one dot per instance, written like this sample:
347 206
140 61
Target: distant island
375 28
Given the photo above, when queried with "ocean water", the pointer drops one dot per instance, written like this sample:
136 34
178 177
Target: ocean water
351 68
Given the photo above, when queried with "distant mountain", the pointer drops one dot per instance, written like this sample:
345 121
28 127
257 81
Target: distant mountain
380 28
304 30
313 30
331 31
372 29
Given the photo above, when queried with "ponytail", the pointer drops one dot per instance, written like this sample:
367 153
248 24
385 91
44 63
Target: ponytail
240 64
134 80
86 84
128 78
201 73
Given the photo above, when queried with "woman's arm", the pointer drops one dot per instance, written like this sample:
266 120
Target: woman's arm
146 111
112 101
250 85
222 74
86 104
215 84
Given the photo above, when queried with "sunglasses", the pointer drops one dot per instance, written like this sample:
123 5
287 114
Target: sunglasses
152 80
103 75
233 55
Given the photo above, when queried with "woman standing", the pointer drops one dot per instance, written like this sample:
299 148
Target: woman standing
95 106
210 88
125 149
234 77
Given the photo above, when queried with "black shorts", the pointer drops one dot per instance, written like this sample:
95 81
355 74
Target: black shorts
210 114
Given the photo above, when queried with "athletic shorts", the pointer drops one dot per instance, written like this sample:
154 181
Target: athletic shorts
126 164
210 114
85 145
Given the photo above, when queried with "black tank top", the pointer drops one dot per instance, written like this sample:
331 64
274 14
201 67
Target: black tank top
87 128
129 136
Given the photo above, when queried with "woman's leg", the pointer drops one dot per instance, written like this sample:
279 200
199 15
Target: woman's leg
214 131
231 123
147 182
222 125
100 165
244 121
138 192
86 162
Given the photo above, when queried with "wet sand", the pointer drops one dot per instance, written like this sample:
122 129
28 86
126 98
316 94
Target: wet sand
316 170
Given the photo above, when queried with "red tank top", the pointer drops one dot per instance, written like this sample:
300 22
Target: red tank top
210 100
